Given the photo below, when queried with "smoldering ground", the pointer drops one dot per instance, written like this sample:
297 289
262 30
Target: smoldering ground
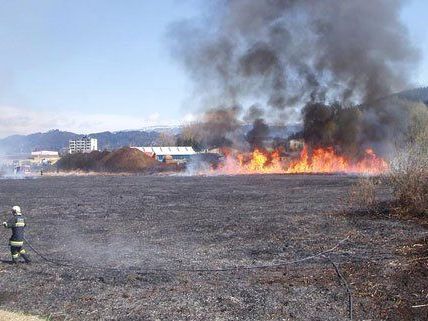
284 54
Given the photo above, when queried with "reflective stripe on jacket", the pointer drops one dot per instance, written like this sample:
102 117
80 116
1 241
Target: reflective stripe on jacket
17 224
16 243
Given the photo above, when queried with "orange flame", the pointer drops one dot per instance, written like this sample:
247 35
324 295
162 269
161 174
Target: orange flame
325 160
321 160
256 163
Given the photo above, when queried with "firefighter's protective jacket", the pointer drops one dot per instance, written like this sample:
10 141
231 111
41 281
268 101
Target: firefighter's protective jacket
17 224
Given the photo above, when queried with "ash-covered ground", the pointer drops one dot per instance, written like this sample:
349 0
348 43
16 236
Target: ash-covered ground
122 241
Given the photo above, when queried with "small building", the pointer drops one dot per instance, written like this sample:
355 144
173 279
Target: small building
83 144
45 157
296 144
169 153
11 160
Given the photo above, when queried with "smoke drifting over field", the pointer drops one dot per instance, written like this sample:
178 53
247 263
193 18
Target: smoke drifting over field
281 55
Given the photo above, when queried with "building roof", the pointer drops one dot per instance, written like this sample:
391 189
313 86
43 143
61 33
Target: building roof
168 150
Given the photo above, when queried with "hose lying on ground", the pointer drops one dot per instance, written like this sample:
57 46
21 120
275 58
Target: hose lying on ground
225 269
322 254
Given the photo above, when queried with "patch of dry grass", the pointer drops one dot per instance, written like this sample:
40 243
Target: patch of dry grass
409 169
362 194
13 316
409 182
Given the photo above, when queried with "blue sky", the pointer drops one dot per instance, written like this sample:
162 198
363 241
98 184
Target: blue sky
92 65
415 19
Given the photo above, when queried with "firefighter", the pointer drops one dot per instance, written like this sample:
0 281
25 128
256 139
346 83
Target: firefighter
16 242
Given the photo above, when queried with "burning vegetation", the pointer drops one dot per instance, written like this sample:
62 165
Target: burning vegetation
320 160
330 66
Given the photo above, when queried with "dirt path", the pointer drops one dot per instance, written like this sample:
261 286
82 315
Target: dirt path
126 226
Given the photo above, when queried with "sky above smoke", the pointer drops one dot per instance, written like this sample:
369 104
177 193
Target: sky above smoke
282 54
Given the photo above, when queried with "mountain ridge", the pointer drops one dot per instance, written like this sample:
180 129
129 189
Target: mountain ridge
417 94
58 140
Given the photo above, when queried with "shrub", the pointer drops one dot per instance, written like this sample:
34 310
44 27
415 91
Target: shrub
408 176
81 161
409 169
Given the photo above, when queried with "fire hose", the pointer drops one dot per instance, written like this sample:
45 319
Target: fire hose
225 269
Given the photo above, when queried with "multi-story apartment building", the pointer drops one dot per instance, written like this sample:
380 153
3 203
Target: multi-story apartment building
84 144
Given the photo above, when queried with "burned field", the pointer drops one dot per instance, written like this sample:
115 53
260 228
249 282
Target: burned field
152 248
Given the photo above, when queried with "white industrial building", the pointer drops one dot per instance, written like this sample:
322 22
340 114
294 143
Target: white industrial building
162 154
45 157
84 144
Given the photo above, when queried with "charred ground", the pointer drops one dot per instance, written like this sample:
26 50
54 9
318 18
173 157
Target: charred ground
127 225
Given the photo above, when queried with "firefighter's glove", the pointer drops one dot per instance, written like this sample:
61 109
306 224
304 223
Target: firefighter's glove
4 224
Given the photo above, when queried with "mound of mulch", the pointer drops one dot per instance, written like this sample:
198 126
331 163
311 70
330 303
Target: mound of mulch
124 160
128 160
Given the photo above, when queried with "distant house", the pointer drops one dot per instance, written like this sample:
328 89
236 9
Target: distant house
84 144
45 157
296 144
169 153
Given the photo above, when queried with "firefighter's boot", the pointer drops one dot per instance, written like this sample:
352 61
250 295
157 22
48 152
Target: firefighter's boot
25 256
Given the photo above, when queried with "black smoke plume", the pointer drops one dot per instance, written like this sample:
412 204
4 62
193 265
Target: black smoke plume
219 124
257 136
285 54
335 125
382 125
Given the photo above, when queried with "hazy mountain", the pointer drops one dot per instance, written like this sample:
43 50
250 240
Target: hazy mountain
58 140
172 130
418 94
24 144
110 141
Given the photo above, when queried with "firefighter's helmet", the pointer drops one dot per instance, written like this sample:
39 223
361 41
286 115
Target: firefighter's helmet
16 210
